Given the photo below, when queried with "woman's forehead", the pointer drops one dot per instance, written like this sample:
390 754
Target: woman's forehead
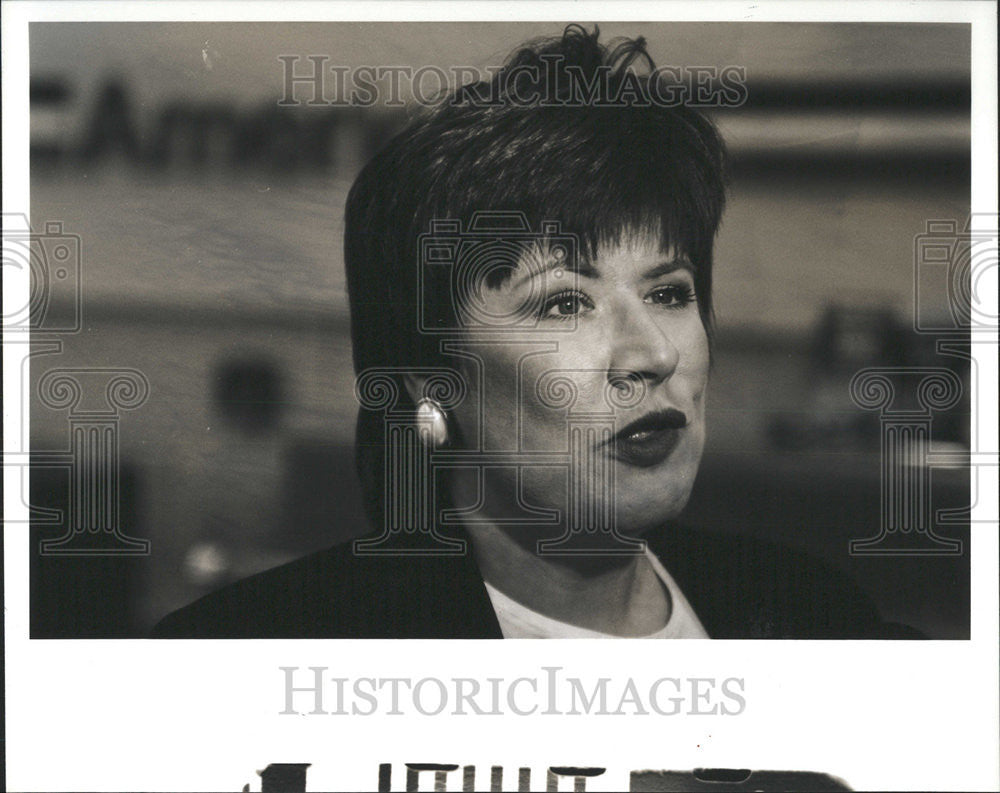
628 249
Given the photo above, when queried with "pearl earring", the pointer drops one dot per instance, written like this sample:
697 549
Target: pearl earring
431 415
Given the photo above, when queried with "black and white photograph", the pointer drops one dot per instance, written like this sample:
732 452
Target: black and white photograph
329 325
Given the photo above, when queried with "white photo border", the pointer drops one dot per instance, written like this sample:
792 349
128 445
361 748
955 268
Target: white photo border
184 715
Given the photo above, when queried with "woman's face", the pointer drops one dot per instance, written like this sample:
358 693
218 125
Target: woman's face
627 327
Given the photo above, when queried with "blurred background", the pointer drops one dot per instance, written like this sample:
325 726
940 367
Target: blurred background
210 226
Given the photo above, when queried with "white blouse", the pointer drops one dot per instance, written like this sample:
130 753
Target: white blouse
519 622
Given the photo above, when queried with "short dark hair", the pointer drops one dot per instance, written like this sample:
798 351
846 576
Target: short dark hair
564 132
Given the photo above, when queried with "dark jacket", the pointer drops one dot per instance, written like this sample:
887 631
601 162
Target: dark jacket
740 588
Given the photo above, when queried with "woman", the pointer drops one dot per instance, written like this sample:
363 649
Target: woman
542 245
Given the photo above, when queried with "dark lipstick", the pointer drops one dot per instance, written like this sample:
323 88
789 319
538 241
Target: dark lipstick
649 440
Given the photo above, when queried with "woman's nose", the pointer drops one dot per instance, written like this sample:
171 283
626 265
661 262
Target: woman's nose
641 349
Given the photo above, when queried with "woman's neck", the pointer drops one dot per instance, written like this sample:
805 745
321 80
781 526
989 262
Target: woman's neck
621 595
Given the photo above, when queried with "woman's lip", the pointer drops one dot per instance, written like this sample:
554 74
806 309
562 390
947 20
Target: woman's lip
645 448
649 440
657 420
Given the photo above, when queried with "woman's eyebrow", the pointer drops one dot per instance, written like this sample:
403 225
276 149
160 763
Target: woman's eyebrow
665 268
578 268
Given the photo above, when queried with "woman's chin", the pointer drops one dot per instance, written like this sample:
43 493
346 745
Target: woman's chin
633 523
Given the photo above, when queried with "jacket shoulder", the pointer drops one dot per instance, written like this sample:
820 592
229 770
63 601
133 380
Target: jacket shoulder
742 587
281 602
335 593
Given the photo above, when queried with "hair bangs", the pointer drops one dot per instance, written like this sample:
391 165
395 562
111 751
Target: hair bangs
596 175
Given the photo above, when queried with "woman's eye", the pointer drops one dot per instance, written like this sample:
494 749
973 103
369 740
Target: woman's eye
673 296
565 305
